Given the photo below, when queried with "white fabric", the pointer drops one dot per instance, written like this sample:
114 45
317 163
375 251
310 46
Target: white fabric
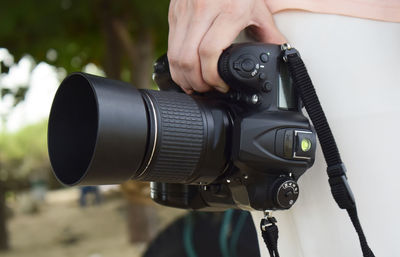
355 66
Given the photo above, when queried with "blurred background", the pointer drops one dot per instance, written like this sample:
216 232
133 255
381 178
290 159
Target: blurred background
40 43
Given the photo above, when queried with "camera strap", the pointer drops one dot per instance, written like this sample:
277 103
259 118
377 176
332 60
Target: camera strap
336 170
269 232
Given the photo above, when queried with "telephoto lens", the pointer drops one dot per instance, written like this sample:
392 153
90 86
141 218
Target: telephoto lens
212 151
103 131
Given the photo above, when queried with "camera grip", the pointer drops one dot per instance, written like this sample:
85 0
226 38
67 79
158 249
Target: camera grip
249 67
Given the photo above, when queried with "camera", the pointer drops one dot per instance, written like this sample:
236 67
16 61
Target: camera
244 149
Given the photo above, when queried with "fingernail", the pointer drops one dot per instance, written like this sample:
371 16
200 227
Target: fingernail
222 88
188 91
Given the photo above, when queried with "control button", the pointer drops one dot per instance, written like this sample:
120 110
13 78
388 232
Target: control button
262 76
264 57
236 65
267 87
248 65
289 193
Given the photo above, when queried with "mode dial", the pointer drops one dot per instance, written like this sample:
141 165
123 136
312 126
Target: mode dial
286 192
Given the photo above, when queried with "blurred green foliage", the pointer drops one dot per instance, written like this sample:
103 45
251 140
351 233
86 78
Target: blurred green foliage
121 37
73 33
23 159
76 29
23 154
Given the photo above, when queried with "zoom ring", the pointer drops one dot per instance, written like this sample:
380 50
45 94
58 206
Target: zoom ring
180 139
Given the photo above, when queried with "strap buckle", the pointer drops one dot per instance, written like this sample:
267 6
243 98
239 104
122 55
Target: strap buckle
288 50
340 187
267 221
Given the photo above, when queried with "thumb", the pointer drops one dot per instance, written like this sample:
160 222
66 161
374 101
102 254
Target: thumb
264 28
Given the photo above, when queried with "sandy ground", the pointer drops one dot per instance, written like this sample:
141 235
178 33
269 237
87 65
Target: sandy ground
62 229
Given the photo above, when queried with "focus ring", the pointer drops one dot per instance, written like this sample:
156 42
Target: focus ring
180 139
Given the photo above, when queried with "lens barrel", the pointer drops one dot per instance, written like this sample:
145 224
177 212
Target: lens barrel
180 131
103 131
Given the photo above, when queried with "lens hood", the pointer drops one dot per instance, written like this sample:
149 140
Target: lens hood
97 132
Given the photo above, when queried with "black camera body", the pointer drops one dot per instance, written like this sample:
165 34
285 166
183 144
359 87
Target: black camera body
245 149
263 144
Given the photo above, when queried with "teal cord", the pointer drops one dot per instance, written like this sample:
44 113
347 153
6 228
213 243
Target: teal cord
223 235
188 236
236 232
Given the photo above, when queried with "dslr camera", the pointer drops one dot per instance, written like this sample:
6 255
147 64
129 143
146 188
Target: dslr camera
245 149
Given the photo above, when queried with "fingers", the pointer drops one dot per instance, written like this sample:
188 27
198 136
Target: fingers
201 29
189 60
178 20
264 27
221 34
184 43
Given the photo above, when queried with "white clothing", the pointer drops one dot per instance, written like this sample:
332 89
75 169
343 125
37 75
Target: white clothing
354 64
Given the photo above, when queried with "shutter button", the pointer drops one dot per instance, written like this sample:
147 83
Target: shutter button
264 57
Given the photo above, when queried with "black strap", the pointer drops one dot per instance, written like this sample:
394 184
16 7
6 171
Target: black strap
269 233
336 170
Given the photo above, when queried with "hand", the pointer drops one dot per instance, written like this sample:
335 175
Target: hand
199 30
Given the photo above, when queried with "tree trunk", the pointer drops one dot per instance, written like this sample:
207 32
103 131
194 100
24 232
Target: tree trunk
112 62
141 212
113 53
142 222
140 52
143 63
3 219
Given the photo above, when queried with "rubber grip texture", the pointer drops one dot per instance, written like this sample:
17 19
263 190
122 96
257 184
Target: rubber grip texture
180 137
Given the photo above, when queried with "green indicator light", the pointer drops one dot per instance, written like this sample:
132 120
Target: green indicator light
305 144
